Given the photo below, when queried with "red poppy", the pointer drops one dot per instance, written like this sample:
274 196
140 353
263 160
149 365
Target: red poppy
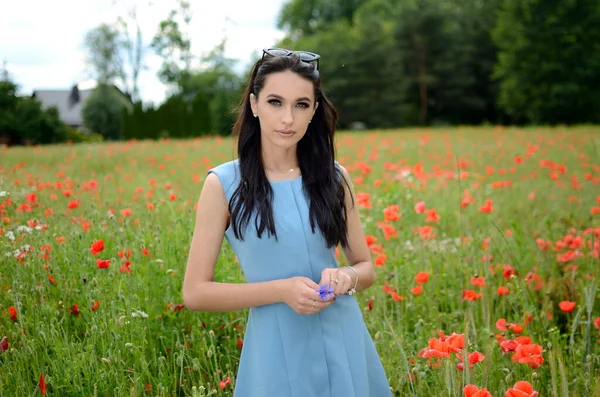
521 389
12 311
97 247
470 295
530 354
474 391
503 291
391 214
422 277
42 385
567 306
224 383
417 290
420 207
478 281
102 263
74 310
380 260
474 358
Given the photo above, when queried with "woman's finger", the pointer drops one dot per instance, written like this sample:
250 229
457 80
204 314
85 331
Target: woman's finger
338 283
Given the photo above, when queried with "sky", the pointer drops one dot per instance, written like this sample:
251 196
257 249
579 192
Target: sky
42 41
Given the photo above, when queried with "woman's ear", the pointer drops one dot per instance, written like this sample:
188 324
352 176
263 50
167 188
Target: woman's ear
253 104
315 109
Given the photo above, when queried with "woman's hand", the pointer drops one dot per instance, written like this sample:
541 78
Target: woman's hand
340 280
300 293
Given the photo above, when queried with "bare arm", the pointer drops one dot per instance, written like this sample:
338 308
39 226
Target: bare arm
201 293
357 253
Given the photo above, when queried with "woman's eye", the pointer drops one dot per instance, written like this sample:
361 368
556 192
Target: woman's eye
278 102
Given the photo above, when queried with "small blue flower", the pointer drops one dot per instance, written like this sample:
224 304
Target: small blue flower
326 292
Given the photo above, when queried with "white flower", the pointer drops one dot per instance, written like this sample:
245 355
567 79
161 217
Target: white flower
24 228
3 193
404 174
139 313
10 235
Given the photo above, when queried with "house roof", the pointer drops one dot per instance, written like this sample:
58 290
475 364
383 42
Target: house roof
69 111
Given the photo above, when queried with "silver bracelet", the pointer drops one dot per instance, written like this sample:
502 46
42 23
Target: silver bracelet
353 290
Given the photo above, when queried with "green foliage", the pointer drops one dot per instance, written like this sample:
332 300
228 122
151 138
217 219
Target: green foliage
102 111
173 44
302 18
549 60
175 118
22 119
103 45
76 136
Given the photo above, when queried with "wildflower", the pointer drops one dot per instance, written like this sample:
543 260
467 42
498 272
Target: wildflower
474 391
325 292
567 306
422 277
74 309
224 383
473 358
420 207
521 389
42 385
97 247
470 295
102 263
503 291
417 290
12 311
530 354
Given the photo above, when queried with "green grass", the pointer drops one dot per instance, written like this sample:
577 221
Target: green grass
138 343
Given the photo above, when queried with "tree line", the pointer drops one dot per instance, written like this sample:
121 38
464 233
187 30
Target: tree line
385 64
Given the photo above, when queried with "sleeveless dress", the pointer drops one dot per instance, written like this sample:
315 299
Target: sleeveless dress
286 354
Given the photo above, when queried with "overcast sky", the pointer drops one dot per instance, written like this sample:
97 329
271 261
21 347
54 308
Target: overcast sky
42 41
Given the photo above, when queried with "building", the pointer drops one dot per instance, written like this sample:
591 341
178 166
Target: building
68 102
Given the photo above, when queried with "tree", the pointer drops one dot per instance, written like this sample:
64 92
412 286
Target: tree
22 119
421 38
104 54
301 18
8 104
218 87
102 111
174 45
549 59
134 49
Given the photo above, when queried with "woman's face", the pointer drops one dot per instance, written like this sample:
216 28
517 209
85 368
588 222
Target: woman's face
284 107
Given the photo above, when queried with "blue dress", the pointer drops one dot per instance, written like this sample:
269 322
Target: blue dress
286 354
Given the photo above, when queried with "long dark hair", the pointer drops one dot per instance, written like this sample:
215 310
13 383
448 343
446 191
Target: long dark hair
322 180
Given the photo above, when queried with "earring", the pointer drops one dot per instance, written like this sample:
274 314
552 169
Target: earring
309 121
254 115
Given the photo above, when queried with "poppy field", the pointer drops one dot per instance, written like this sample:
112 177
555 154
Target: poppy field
486 243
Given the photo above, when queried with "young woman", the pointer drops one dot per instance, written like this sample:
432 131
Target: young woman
284 205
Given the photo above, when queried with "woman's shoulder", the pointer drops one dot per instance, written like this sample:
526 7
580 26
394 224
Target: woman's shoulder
227 172
229 166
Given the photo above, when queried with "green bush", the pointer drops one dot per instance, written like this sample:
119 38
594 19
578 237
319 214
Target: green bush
76 136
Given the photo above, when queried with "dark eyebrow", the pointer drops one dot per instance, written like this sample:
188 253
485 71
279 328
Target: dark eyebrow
280 97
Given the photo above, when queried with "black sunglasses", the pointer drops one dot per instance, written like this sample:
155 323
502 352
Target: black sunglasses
305 56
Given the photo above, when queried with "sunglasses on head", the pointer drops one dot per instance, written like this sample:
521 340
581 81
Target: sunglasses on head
305 56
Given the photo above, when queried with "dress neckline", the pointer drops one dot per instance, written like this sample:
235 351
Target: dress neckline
285 180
